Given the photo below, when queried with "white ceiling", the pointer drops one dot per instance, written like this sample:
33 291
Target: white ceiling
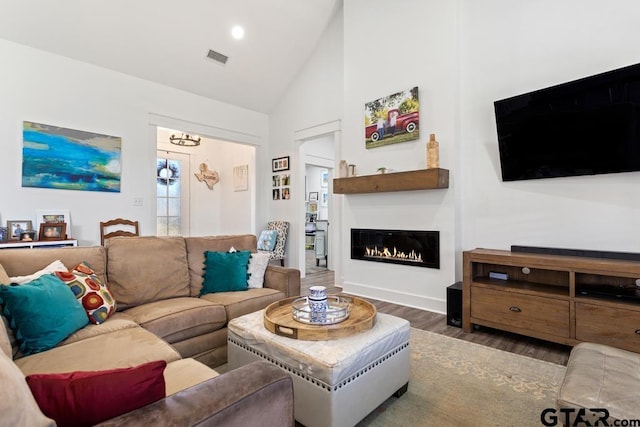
167 41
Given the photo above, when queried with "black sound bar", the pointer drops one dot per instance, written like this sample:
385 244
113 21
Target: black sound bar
626 256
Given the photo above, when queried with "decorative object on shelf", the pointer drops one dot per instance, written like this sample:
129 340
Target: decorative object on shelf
343 169
28 236
382 170
313 196
352 170
280 164
392 119
207 176
53 231
241 178
4 234
53 215
433 152
16 227
69 159
185 140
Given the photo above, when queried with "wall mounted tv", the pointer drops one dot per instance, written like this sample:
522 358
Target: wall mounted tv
584 127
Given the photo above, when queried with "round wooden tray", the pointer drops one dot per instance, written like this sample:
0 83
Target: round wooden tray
279 320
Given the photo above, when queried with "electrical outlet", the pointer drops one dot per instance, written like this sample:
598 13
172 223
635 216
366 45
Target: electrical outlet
137 201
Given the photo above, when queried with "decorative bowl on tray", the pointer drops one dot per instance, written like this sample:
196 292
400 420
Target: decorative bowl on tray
337 310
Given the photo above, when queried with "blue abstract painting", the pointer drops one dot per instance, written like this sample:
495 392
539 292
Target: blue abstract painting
69 159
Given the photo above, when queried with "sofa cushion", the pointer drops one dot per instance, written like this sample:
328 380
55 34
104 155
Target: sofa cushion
54 266
87 398
197 246
17 405
241 303
178 319
116 322
42 312
186 373
91 292
225 271
5 342
118 349
4 277
147 269
20 262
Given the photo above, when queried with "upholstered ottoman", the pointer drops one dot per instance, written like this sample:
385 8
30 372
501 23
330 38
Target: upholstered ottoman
600 377
336 382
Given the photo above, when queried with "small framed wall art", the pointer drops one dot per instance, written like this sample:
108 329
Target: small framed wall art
280 164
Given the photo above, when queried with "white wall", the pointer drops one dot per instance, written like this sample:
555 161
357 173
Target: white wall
221 210
389 47
51 89
508 48
314 98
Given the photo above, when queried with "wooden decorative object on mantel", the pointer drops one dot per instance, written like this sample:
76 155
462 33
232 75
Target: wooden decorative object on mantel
423 179
207 176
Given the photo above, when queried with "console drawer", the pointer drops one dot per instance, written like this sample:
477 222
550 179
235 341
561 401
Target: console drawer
548 315
616 327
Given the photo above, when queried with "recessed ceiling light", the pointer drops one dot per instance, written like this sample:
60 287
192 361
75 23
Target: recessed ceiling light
237 32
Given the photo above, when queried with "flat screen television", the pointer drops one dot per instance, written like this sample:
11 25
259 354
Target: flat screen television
584 127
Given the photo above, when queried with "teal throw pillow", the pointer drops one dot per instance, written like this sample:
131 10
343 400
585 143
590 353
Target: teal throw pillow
225 271
267 240
42 312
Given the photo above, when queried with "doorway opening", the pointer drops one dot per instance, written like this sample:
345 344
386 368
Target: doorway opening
190 201
319 160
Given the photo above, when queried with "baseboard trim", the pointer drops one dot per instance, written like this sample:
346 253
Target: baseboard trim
393 296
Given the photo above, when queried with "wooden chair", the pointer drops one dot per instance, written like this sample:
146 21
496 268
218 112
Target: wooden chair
125 227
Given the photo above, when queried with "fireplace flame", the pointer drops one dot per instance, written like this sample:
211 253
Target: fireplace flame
394 253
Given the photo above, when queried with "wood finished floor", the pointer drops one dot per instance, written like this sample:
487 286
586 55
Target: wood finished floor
437 323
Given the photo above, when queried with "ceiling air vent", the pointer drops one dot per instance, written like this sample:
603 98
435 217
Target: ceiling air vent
217 56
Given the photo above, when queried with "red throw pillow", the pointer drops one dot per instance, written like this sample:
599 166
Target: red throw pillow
87 398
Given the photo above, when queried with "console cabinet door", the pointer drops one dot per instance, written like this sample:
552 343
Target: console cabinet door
527 312
616 327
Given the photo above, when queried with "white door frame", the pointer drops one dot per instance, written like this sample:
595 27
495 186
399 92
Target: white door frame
335 212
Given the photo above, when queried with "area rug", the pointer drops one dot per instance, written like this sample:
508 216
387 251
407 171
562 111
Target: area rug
458 383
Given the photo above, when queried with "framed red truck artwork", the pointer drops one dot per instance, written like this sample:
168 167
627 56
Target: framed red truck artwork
392 119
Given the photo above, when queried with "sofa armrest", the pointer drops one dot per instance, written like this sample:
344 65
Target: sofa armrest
255 394
284 279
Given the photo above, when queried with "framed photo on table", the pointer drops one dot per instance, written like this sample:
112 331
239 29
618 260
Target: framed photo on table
17 227
53 216
53 231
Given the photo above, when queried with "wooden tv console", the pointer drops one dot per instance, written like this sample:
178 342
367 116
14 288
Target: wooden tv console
552 297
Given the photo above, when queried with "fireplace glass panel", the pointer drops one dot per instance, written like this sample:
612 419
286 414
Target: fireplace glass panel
406 247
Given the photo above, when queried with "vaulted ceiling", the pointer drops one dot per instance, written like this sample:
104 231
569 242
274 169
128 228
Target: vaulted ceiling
167 41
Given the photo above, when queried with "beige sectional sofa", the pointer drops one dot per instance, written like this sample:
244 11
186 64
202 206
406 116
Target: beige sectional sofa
156 283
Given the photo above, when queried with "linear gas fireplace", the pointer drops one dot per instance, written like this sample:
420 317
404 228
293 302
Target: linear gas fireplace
406 247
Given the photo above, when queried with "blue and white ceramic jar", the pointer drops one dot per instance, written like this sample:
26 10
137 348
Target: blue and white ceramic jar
318 303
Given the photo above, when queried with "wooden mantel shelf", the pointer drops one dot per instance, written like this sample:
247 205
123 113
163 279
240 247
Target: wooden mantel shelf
423 179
